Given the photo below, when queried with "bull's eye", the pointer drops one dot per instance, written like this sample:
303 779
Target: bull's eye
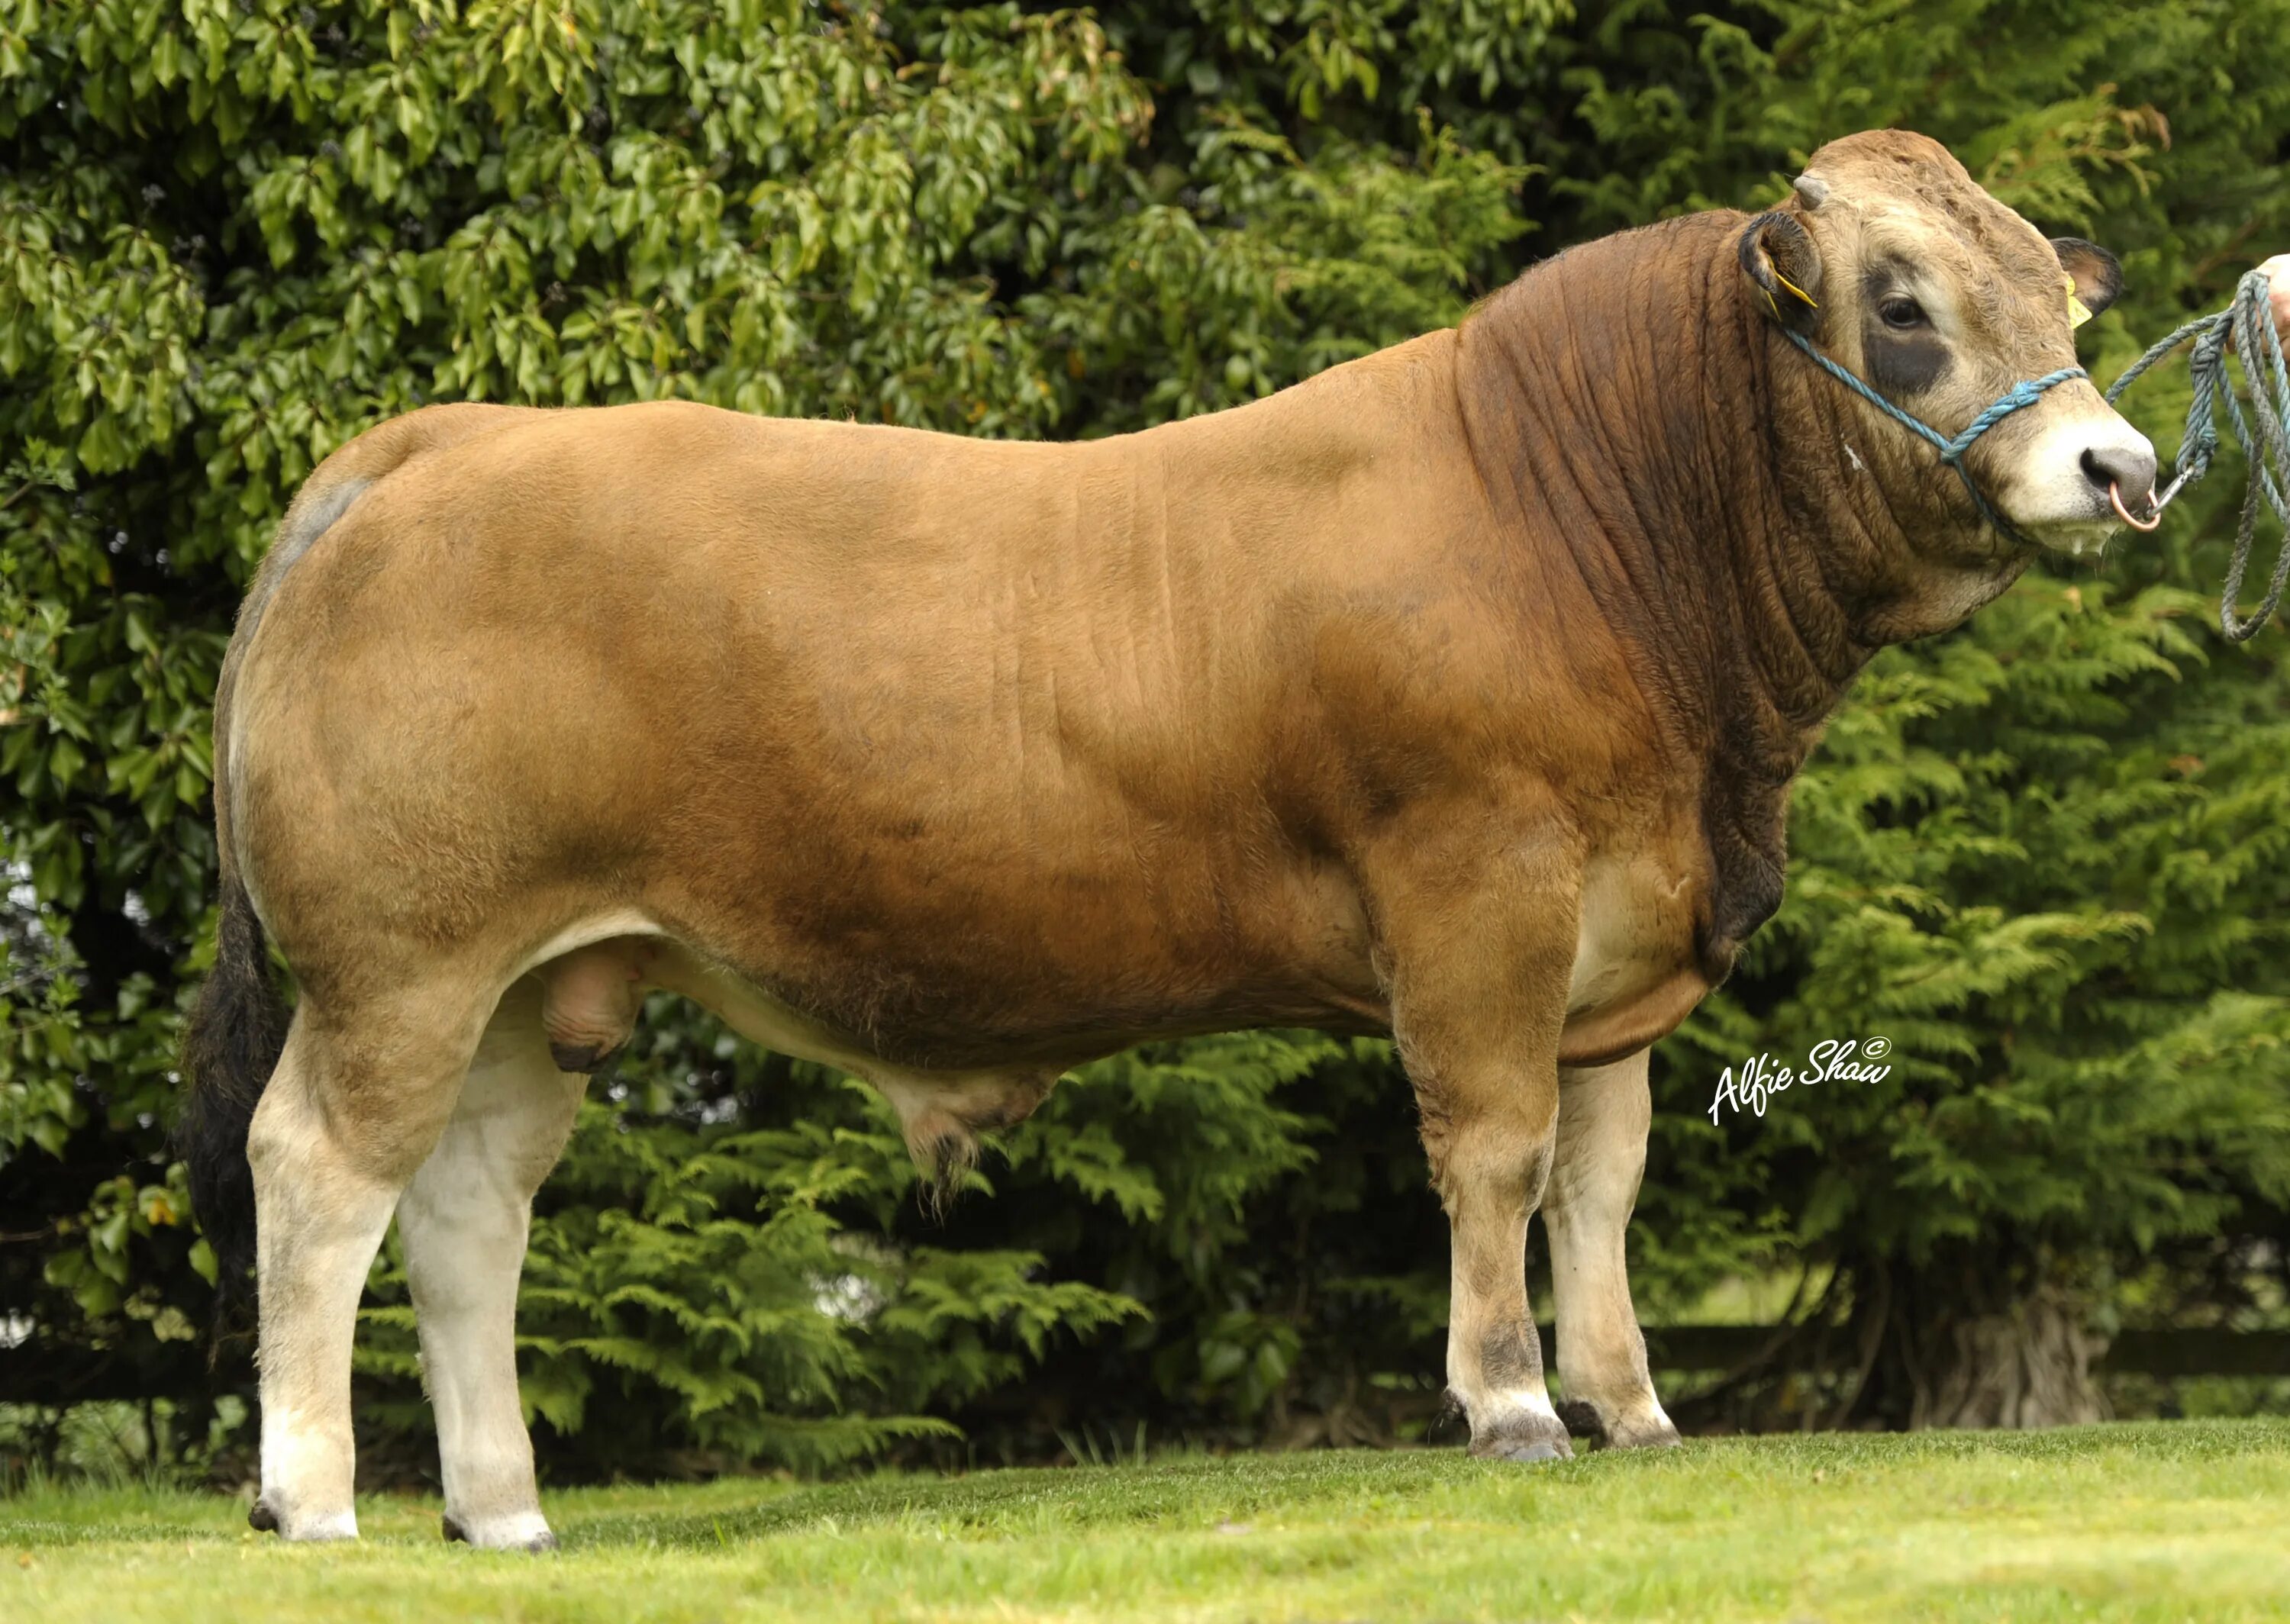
1901 311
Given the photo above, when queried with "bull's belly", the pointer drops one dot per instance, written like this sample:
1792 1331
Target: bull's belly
767 1010
946 1082
951 977
592 993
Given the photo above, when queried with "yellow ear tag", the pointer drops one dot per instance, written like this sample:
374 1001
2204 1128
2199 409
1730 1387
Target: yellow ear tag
2077 313
1793 288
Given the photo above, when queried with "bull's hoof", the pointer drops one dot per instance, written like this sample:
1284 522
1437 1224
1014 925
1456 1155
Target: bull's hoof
1656 1435
1581 1418
264 1517
587 1059
503 1537
1529 1454
1637 1424
1526 1441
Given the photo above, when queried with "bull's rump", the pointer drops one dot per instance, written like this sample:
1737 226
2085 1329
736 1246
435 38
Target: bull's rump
967 746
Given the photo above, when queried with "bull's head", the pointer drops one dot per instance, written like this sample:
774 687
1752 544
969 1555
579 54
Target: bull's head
1893 262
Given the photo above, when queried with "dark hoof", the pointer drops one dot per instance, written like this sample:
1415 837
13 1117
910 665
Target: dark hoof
1581 1418
458 1535
261 1518
585 1057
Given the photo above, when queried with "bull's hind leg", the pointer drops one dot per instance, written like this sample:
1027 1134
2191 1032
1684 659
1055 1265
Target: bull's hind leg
464 1220
357 1101
1603 1115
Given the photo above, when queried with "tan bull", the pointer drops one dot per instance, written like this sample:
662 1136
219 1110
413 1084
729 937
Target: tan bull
1454 693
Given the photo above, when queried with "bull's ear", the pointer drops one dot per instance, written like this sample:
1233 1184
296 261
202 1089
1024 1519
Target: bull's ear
2098 278
1783 265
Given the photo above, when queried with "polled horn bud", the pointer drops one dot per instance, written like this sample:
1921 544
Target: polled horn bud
1811 191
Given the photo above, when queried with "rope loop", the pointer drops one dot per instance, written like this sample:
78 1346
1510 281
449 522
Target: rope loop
2249 322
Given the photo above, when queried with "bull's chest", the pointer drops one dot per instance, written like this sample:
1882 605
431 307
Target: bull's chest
1636 971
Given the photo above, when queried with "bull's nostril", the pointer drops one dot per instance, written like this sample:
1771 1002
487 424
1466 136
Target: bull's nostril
2128 468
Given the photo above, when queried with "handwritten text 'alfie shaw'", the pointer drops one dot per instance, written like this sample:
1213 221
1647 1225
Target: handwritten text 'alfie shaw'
1832 1060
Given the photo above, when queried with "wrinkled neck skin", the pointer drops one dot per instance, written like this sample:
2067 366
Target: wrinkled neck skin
1749 531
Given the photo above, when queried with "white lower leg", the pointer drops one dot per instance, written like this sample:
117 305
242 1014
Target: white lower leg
1603 1116
319 1219
1504 1393
464 1253
464 1220
1494 1354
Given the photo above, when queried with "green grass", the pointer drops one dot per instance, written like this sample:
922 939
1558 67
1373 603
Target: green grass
2186 1520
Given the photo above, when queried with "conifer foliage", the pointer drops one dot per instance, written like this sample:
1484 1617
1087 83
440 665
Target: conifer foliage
2041 857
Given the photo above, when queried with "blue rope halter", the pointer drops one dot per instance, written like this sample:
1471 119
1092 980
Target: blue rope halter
1951 451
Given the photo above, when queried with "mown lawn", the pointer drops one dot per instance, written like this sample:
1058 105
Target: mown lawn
2186 1520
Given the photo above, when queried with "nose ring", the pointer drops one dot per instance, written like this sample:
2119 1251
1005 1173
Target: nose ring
2154 518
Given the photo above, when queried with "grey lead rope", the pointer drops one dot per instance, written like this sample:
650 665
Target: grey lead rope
2249 320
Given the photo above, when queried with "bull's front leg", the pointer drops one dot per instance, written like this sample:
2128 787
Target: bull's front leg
1479 960
1604 1112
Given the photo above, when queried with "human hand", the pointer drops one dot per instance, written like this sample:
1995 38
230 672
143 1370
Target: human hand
2277 272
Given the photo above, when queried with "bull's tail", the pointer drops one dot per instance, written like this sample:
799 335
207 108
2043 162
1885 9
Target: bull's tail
231 1045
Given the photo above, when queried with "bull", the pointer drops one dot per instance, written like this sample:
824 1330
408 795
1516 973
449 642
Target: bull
1453 694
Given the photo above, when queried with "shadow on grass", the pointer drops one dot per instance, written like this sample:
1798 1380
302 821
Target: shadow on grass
1204 1491
1197 1494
